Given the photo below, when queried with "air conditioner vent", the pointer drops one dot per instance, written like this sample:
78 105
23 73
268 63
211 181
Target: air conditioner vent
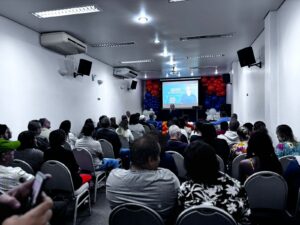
229 35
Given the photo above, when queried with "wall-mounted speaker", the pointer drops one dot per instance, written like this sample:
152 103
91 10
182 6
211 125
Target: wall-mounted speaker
84 67
226 78
133 84
246 56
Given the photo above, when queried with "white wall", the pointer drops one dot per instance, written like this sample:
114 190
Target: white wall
248 87
31 86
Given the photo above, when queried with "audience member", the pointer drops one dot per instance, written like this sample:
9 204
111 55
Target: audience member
56 152
173 112
70 137
42 142
231 135
151 119
174 143
181 125
210 187
260 126
90 121
249 126
209 136
223 118
11 207
28 151
144 182
196 134
46 125
95 149
124 134
136 128
5 132
223 128
287 142
10 177
111 136
260 156
128 114
113 123
142 120
241 147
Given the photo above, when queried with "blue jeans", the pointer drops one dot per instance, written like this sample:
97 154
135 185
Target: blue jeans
108 163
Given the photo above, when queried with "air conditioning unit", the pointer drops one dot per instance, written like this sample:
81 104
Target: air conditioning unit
63 43
125 73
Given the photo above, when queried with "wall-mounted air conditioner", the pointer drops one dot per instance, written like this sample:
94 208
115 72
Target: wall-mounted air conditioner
63 43
125 73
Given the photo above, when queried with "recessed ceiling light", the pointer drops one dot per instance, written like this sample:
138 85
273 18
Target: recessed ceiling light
192 73
179 74
174 1
143 19
206 56
216 71
67 11
156 40
165 52
138 61
167 75
145 76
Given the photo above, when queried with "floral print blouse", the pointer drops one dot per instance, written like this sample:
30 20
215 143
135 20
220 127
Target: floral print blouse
287 148
227 194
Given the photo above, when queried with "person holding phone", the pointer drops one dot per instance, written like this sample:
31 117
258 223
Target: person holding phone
11 204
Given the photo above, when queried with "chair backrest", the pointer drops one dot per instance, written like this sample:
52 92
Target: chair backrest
84 159
235 170
206 215
134 214
107 148
23 165
147 129
67 146
61 179
179 161
266 190
285 161
221 164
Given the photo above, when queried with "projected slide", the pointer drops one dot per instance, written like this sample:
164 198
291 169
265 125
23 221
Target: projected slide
184 94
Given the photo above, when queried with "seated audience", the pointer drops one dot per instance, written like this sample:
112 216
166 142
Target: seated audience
260 126
223 128
196 134
57 152
287 143
209 136
42 142
210 187
174 143
151 119
113 123
70 137
241 147
136 128
28 151
142 120
11 207
144 182
181 124
249 126
10 177
95 149
46 125
5 132
231 135
260 156
89 121
111 136
125 134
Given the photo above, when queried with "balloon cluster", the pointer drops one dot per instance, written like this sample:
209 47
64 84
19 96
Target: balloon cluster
152 95
215 92
164 128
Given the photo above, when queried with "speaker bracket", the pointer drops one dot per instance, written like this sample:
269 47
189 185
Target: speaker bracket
256 64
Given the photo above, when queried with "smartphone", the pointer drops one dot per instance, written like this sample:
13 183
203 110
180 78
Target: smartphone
37 187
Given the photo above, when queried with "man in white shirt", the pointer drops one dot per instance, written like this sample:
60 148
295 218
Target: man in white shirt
10 176
144 182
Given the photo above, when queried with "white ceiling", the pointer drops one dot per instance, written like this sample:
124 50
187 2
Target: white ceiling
170 21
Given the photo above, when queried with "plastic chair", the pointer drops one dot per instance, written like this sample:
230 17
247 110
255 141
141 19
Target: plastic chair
235 170
107 148
62 181
285 160
206 215
85 161
221 164
134 214
179 161
147 129
23 165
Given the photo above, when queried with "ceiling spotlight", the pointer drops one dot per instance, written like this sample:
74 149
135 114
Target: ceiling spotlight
145 76
143 19
167 75
174 1
216 71
156 40
192 73
165 52
179 74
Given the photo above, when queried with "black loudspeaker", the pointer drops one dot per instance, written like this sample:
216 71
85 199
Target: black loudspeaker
246 56
226 78
133 84
84 67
